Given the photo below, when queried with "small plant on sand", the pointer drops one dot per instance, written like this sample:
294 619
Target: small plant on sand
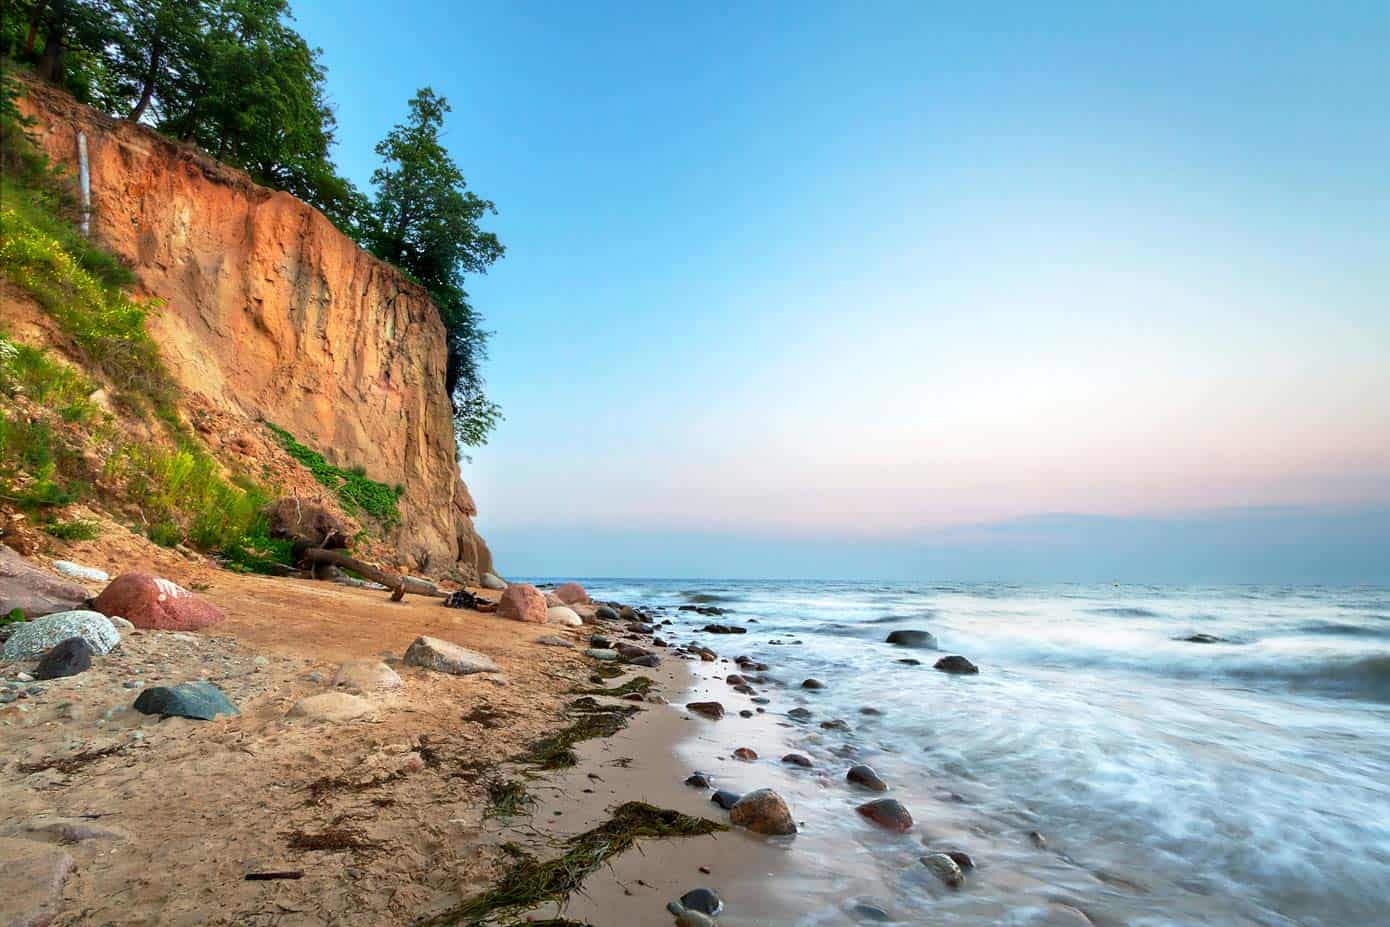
75 530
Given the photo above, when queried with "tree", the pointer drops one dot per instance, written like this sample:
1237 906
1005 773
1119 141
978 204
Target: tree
425 220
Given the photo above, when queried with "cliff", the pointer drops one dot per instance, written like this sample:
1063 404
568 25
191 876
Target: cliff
271 313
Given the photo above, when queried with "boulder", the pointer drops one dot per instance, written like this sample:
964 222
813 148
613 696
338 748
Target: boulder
554 640
66 658
606 613
34 877
447 657
956 664
78 571
34 591
747 754
32 639
492 581
923 639
887 813
306 523
704 900
799 714
698 780
571 594
201 701
586 611
763 811
563 615
366 676
725 799
331 706
712 710
812 684
865 776
602 654
797 759
836 724
946 868
648 660
521 602
148 601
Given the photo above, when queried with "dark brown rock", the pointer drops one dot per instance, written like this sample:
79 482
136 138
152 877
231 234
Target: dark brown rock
887 813
712 710
763 812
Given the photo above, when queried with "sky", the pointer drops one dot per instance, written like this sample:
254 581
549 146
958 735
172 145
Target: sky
1015 291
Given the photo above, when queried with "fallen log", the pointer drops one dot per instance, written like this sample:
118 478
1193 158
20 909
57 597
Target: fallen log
318 556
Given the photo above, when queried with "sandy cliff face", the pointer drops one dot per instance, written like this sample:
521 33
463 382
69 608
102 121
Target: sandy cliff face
271 312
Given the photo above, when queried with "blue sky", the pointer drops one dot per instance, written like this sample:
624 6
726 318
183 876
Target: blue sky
830 290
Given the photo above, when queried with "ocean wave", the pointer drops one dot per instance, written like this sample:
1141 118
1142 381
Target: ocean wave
1341 629
1365 677
1126 611
706 598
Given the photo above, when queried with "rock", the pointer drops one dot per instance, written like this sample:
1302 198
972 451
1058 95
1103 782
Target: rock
331 706
725 799
648 660
306 523
447 657
628 613
870 710
745 713
711 710
747 754
606 613
693 919
601 642
704 900
923 639
888 813
32 639
865 776
812 684
492 581
1061 915
34 877
638 627
868 911
797 759
1038 839
909 661
74 830
552 640
148 601
67 658
961 859
723 629
698 780
33 591
571 593
945 868
521 602
602 653
563 615
763 811
838 724
552 600
800 714
630 651
956 664
201 701
121 625
78 571
366 676
1202 639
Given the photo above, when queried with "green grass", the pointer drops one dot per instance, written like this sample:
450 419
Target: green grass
76 530
354 489
530 882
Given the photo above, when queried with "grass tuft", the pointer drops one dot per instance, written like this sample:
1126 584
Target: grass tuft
76 530
354 489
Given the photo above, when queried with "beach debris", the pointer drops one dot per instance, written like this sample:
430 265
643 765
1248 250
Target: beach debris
32 639
563 615
945 868
747 754
34 591
763 811
366 676
887 813
865 776
522 602
712 710
149 601
956 664
571 594
725 799
201 701
797 759
331 706
66 658
34 877
910 638
447 657
461 599
273 874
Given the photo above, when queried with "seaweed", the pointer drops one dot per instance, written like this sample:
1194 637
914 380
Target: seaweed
320 789
554 752
332 838
635 684
71 764
530 882
506 798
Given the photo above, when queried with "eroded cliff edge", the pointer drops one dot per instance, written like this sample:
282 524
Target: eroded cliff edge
272 313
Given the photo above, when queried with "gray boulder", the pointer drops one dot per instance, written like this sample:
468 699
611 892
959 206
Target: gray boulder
908 638
33 639
201 701
447 657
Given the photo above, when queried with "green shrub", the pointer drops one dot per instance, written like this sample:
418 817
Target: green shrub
354 489
15 616
76 530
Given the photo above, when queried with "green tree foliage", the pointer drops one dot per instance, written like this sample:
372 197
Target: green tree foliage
425 220
235 78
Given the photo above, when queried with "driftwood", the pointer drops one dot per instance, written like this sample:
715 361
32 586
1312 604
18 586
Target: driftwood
399 585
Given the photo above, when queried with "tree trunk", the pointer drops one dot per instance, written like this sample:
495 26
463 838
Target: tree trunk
51 62
33 35
147 91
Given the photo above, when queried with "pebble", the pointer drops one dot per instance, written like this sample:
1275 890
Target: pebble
698 780
812 684
946 868
800 714
763 811
865 776
747 754
797 759
839 724
957 664
923 639
725 799
888 813
704 900
711 710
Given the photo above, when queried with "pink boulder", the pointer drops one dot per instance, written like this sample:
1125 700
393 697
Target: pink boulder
571 594
151 602
521 602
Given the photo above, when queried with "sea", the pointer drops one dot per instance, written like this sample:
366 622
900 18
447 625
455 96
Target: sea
1101 761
